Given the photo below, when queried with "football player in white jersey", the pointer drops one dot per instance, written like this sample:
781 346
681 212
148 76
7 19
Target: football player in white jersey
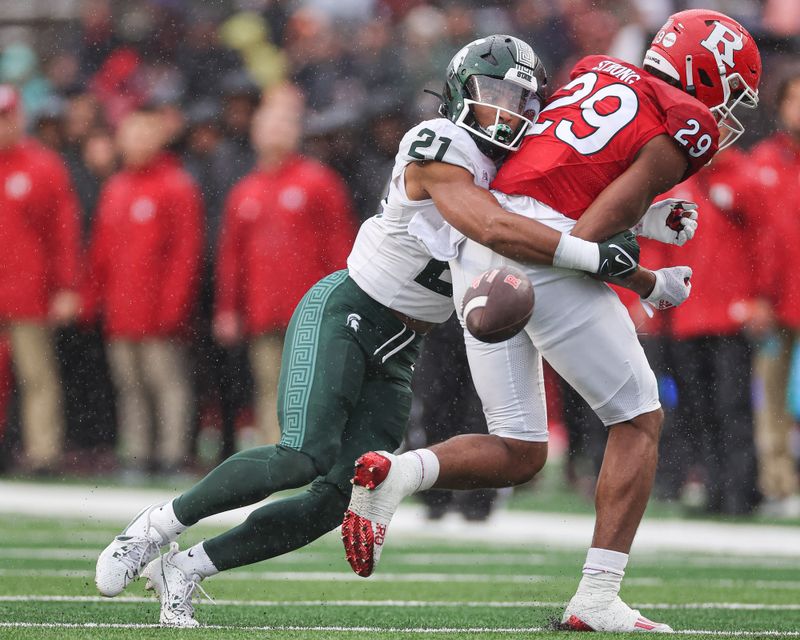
350 349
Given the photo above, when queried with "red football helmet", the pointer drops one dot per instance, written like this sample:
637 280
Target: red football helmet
714 59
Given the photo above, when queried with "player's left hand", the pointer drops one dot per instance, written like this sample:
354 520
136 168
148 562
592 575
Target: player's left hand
671 221
672 288
619 256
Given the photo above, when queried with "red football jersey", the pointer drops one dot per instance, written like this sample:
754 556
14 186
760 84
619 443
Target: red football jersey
591 130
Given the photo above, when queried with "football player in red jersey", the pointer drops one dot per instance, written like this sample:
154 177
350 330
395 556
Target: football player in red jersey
603 148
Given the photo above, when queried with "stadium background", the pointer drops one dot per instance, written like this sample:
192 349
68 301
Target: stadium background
361 65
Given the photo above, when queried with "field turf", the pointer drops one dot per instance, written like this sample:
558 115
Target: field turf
422 590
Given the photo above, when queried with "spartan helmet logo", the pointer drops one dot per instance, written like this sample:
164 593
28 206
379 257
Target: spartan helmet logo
353 321
722 42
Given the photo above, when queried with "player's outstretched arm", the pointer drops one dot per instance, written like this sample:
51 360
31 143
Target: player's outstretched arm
475 213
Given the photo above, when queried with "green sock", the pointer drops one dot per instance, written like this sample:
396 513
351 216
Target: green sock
279 527
245 478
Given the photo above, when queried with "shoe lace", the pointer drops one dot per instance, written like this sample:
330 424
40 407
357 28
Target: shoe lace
132 552
181 601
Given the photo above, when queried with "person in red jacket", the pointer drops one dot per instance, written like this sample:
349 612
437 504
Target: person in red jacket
286 225
776 162
145 256
38 272
711 338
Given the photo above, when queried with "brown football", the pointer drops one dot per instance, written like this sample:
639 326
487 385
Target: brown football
498 304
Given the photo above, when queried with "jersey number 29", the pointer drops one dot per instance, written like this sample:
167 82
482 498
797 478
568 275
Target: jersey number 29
606 124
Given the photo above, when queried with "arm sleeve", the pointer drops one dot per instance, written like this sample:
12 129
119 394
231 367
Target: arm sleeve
182 264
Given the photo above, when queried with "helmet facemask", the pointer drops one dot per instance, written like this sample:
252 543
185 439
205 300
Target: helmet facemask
515 108
735 92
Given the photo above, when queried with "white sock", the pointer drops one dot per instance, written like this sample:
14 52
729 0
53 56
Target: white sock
602 574
195 561
605 560
166 523
420 469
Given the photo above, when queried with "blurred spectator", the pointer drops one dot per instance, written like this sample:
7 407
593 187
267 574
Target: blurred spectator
240 98
249 34
219 373
97 38
88 393
19 65
777 163
711 334
145 259
286 225
38 273
48 124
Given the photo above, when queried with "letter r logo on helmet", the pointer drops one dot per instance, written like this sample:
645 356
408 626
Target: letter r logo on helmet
713 58
722 42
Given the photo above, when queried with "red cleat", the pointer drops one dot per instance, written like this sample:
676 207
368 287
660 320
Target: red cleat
375 498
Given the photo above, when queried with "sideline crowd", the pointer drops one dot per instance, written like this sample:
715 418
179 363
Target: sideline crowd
175 175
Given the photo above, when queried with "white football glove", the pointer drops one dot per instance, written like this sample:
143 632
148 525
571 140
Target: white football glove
671 221
673 286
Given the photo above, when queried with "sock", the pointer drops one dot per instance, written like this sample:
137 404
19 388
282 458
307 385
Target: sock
605 560
161 525
602 574
195 561
166 523
420 469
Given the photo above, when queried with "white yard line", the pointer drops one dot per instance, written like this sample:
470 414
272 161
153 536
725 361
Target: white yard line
549 530
308 576
378 630
402 556
469 578
524 604
436 559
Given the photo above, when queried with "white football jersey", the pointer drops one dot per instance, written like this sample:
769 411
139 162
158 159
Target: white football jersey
399 257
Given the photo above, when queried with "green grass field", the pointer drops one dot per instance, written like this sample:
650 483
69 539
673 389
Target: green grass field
435 590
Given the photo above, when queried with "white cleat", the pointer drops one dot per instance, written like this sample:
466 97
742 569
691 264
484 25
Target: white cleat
122 561
587 614
377 492
174 589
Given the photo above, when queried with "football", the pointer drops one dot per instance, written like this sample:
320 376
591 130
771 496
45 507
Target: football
498 304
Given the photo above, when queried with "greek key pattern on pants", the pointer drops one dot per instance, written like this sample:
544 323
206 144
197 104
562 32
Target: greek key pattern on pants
303 355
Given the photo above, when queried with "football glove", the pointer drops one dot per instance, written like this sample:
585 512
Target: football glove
671 221
619 256
673 286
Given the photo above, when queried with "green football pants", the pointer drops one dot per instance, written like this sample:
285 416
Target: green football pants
345 388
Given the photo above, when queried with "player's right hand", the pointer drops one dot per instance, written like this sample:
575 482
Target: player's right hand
672 289
671 221
619 256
